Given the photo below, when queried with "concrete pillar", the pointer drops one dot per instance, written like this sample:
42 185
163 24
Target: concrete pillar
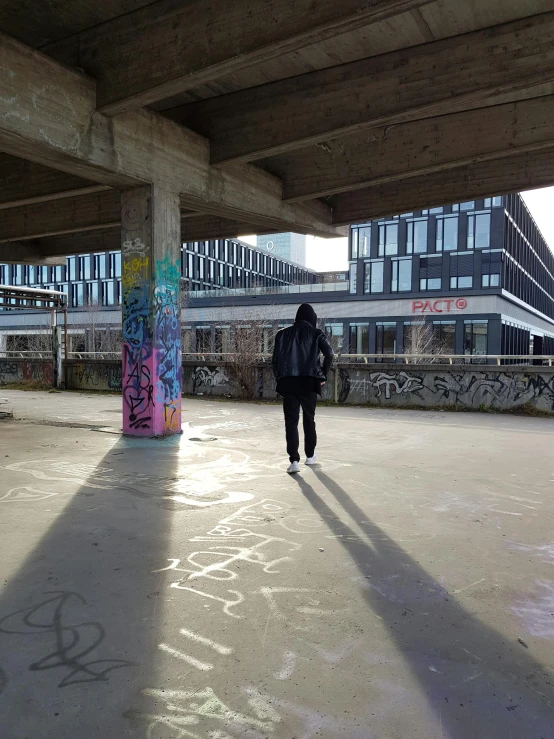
151 276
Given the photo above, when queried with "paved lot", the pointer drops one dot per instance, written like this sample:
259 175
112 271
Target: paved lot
178 588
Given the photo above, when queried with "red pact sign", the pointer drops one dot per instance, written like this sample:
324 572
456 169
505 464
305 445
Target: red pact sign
442 305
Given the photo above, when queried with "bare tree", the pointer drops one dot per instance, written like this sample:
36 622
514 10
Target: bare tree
245 345
38 343
420 341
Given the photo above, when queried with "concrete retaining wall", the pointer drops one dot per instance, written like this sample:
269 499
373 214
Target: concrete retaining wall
94 375
390 385
26 371
461 387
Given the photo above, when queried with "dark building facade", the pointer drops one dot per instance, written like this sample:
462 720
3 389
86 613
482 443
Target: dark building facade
480 272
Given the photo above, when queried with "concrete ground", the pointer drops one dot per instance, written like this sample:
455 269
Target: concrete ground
172 589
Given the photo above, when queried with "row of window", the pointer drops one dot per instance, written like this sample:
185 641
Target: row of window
447 238
437 338
461 276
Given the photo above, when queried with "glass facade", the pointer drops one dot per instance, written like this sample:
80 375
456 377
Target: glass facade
95 279
373 277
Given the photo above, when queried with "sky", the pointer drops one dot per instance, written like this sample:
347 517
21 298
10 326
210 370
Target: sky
328 255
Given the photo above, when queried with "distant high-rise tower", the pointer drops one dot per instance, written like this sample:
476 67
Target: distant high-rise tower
285 246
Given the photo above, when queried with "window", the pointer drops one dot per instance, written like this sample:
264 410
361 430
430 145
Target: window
401 279
461 271
108 297
186 340
436 211
478 231
447 234
475 338
203 339
373 277
364 244
87 271
115 264
430 273
444 337
417 237
223 339
426 283
78 294
491 265
459 283
490 280
59 274
92 293
496 201
388 239
469 205
353 269
359 338
72 263
386 338
201 268
334 332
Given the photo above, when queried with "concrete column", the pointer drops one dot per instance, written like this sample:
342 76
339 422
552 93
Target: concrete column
151 276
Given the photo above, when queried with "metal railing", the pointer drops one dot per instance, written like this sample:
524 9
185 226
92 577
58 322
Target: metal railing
228 292
94 355
498 359
25 354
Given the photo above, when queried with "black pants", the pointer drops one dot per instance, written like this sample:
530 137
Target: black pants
291 407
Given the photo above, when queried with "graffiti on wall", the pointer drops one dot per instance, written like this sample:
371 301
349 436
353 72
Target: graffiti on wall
205 379
95 376
26 370
470 388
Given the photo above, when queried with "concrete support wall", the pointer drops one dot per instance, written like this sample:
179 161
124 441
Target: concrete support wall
151 353
471 387
26 371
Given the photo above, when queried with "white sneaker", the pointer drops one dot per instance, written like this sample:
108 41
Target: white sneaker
311 460
293 468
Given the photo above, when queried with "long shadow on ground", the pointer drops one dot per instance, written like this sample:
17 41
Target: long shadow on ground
479 685
79 620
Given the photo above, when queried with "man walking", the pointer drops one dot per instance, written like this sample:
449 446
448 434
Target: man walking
300 377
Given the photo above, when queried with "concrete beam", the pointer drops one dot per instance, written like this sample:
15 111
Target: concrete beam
467 71
64 244
27 253
78 214
23 182
510 174
423 147
56 125
204 227
169 46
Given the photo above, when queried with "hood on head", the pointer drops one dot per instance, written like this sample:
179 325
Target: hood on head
307 313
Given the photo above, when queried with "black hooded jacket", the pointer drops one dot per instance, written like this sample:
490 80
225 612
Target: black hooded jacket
297 354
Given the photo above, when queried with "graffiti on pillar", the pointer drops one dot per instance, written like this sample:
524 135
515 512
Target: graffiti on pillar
168 339
137 354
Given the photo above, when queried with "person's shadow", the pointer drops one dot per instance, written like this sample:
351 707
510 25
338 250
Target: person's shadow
483 686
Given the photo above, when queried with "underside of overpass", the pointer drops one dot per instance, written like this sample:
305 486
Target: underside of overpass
137 125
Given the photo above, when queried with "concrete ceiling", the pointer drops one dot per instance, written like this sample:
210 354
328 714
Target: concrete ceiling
264 114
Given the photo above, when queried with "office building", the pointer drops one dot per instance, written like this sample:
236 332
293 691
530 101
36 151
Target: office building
288 246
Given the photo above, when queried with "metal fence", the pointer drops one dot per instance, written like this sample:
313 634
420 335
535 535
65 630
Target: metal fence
498 359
